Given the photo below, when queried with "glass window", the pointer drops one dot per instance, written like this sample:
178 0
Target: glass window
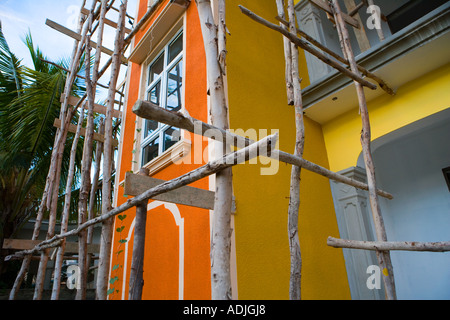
156 68
164 88
175 48
171 136
174 86
150 151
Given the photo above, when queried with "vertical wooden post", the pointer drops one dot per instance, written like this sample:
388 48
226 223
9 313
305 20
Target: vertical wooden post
384 258
221 225
294 198
107 226
287 55
137 261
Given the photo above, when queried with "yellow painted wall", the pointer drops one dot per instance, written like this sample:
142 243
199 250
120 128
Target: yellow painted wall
415 100
257 99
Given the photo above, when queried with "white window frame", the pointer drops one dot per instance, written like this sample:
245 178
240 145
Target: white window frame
158 134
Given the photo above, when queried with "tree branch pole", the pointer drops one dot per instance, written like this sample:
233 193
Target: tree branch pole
384 258
305 46
287 55
66 210
262 147
383 85
88 147
147 110
294 197
389 245
48 186
137 261
221 225
107 226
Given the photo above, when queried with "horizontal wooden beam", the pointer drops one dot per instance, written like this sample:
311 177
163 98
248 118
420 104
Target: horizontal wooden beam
107 21
77 36
24 244
147 110
389 245
98 108
73 129
136 184
324 6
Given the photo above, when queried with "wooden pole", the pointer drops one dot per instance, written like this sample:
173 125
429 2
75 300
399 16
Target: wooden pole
137 261
66 210
147 110
294 197
390 245
383 85
304 45
107 227
221 225
383 256
229 160
287 55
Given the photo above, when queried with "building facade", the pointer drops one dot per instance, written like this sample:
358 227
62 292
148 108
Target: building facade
411 140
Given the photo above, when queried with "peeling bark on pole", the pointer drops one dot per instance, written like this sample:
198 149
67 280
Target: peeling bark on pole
384 258
66 210
294 198
107 226
221 225
287 55
389 245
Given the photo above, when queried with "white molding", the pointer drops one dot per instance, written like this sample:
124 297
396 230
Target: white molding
170 156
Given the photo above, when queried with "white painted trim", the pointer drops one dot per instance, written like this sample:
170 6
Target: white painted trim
179 221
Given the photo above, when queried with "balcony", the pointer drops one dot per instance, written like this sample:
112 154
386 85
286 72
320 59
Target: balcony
416 40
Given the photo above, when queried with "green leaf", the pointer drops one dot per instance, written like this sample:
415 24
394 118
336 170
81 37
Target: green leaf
122 216
110 291
116 267
123 240
112 280
120 229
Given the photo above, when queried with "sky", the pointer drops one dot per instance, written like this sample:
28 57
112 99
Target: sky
20 16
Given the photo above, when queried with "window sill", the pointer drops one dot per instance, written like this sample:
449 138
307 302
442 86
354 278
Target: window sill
334 94
170 156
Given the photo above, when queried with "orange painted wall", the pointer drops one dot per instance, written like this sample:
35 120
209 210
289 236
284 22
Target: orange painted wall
162 238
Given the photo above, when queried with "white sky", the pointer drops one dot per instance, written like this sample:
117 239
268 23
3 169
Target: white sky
19 16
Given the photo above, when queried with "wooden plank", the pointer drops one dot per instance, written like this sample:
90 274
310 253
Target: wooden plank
73 129
97 107
77 36
24 244
107 21
360 33
324 6
136 184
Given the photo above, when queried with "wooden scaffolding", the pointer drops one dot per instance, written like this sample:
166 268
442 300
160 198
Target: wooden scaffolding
144 187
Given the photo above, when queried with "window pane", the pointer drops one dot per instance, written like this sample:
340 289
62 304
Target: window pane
150 127
150 151
171 136
175 47
174 86
154 94
156 68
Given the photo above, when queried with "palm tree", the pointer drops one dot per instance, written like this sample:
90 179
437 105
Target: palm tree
29 104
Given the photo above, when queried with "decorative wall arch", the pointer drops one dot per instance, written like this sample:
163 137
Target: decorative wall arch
179 221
